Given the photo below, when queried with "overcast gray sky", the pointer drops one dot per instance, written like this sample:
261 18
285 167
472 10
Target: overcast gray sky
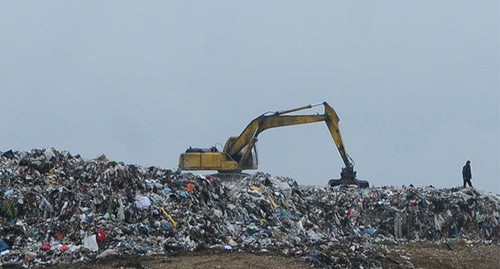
415 83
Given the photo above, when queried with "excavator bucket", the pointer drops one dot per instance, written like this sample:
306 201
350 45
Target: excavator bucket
348 177
340 182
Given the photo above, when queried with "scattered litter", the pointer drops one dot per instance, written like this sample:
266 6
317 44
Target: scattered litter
58 208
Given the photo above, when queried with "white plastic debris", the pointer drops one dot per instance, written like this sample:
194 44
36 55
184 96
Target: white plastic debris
90 243
142 202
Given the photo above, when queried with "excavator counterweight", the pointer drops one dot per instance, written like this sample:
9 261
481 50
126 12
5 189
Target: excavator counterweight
239 152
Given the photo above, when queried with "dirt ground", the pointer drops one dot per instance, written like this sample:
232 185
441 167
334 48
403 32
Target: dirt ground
421 255
213 260
452 256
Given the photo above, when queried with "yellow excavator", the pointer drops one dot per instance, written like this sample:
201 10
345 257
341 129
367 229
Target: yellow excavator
239 152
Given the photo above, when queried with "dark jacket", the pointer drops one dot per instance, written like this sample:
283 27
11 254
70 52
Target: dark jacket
466 173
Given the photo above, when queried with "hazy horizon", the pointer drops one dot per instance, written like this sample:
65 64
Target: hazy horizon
416 85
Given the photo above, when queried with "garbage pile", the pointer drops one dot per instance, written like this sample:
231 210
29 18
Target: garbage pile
58 208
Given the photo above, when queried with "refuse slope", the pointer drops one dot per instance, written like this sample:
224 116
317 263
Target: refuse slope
59 208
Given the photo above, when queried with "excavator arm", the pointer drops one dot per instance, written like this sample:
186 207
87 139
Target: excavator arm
246 140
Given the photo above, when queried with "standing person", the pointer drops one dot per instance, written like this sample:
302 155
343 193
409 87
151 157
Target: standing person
467 174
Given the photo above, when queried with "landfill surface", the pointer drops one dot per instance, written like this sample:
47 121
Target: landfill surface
58 209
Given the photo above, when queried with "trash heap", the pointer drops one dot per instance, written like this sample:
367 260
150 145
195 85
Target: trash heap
58 208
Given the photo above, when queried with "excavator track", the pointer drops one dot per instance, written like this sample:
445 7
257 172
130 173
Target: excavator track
230 177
